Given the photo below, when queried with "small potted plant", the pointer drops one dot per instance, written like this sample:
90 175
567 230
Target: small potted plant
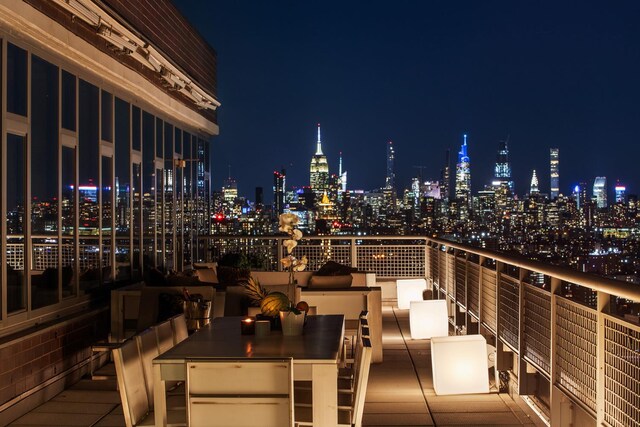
277 306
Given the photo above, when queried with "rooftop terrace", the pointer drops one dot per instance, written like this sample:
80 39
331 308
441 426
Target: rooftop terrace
400 393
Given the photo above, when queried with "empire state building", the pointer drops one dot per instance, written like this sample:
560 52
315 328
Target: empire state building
319 171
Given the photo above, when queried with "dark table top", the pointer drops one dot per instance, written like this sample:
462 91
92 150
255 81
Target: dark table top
320 342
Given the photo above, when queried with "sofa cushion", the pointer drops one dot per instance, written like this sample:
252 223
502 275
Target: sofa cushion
330 282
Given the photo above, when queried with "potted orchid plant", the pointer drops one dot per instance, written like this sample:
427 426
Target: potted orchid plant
288 223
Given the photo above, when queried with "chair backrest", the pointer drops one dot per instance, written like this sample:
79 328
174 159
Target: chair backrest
148 348
240 393
180 331
164 336
362 379
133 393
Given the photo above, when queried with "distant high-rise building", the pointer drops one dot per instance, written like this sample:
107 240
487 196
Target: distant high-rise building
534 189
600 191
319 170
342 176
230 190
390 181
259 198
444 184
555 173
463 180
621 193
503 167
580 194
279 184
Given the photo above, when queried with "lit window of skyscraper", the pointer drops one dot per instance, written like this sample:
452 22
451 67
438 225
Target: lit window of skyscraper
600 191
279 184
555 173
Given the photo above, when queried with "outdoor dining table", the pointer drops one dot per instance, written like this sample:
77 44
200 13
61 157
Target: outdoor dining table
316 354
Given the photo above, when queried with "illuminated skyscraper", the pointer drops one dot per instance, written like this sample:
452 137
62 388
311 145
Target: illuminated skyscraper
444 186
555 173
463 180
600 191
390 181
319 170
621 193
279 183
503 167
535 189
342 176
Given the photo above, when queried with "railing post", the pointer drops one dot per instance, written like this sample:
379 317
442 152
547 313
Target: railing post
557 398
354 254
279 254
498 351
603 303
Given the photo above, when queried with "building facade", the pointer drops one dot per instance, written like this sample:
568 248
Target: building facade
600 191
105 163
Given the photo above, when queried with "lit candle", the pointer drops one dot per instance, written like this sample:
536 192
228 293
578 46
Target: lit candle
247 326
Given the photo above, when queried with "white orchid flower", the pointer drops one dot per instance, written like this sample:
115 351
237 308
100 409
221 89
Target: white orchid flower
300 267
285 229
290 244
287 262
296 234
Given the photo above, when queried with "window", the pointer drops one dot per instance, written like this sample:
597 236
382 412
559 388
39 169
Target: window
15 220
89 155
68 101
123 190
106 100
45 269
16 80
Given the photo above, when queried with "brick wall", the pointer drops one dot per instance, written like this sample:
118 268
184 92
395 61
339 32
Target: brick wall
31 360
162 24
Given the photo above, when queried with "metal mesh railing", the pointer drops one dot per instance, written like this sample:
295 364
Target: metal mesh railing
488 289
536 337
509 311
576 350
622 373
391 260
319 252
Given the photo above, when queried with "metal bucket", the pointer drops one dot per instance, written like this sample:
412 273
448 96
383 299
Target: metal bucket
197 314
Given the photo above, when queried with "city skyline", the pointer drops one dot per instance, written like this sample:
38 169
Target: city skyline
549 75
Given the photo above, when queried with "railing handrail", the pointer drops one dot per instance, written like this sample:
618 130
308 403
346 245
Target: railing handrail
592 281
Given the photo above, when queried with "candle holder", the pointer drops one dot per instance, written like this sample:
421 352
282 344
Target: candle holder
248 326
263 328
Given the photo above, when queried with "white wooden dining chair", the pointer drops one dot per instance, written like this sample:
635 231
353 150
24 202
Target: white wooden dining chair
179 326
133 394
350 402
148 348
240 393
164 336
353 340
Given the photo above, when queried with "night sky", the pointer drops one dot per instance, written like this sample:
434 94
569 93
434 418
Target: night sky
422 73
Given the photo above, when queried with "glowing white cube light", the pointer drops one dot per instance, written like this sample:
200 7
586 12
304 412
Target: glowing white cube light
409 290
428 319
459 364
